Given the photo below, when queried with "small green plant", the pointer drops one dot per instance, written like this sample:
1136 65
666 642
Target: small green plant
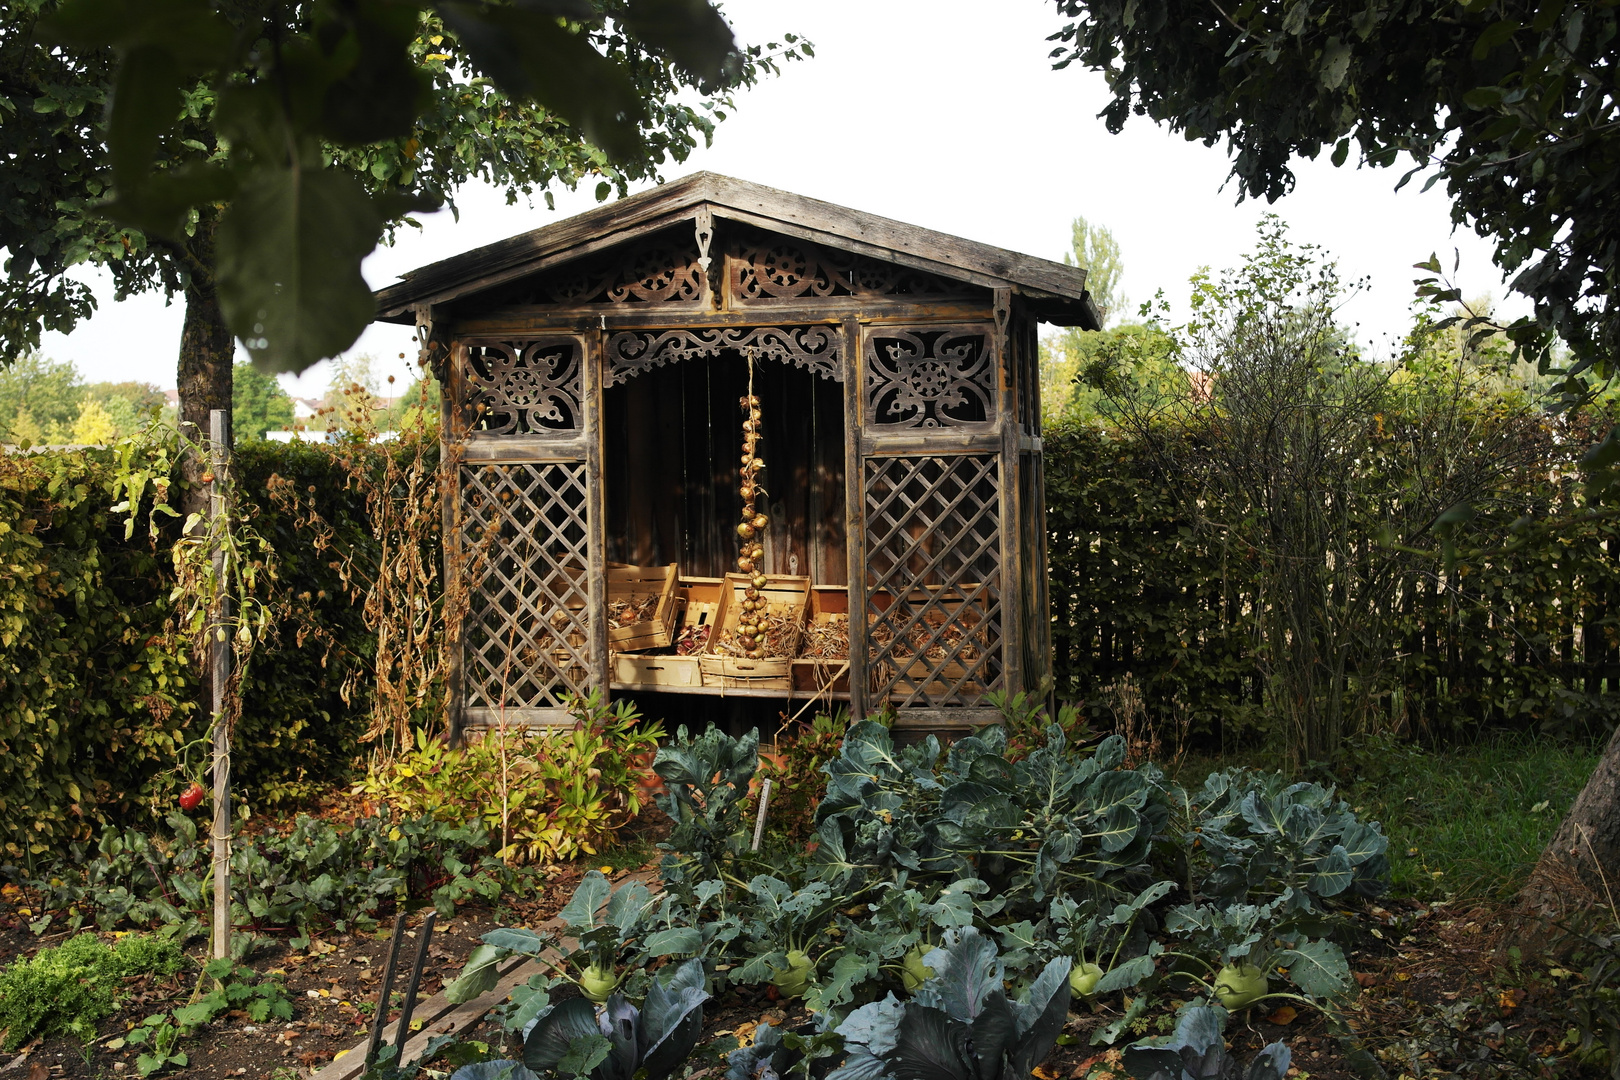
65 990
318 874
160 1039
794 769
547 796
235 987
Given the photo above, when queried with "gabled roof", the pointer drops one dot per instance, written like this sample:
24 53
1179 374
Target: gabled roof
1056 292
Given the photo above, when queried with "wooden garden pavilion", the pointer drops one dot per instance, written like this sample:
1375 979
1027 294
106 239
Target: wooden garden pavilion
591 371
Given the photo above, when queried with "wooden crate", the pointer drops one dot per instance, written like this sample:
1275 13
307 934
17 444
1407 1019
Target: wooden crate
829 605
771 673
697 604
636 583
653 671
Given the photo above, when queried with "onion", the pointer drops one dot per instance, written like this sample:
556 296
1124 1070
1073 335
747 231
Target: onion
760 521
745 530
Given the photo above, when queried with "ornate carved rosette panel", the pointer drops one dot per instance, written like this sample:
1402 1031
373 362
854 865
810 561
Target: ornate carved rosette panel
933 578
523 387
526 633
664 270
816 348
930 378
766 267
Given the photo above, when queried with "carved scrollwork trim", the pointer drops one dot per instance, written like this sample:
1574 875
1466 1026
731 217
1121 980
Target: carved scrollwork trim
663 271
930 377
523 387
815 348
769 268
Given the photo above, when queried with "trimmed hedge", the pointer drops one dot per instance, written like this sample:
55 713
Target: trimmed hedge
1523 639
95 710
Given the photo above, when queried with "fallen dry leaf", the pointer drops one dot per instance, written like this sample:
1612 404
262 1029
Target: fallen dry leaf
1283 1016
39 1071
1365 979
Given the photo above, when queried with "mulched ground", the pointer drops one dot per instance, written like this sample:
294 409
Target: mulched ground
1438 999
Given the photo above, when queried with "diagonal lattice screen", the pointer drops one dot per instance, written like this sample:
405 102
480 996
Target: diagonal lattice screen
527 630
933 579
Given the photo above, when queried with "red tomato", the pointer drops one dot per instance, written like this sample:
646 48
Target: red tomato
192 797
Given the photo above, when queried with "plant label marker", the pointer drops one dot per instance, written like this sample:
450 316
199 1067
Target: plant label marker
764 805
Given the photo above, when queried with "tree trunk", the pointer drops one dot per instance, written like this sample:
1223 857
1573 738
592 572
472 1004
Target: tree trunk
1582 864
207 352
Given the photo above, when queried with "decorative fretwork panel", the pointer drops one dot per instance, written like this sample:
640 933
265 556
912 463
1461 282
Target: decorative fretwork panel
766 267
523 387
663 270
930 378
816 348
526 635
933 578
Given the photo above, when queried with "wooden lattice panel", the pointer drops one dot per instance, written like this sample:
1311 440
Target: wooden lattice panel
933 579
524 541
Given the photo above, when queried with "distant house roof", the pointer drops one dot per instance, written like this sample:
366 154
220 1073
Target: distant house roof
1054 291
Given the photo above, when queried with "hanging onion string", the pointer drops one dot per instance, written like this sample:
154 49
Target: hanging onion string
752 633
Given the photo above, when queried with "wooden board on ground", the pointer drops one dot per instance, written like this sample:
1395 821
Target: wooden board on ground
440 1016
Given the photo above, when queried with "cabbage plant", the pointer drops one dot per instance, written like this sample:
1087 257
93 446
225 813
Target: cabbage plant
1197 1051
960 1024
614 1040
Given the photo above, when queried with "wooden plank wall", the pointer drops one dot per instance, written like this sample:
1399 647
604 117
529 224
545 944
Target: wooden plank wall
673 440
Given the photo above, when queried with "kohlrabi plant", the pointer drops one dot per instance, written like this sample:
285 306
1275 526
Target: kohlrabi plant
1252 836
1242 947
613 1040
784 932
614 937
1110 949
705 792
960 1024
1197 1051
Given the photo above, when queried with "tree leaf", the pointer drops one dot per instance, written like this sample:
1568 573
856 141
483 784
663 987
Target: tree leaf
288 271
690 32
530 56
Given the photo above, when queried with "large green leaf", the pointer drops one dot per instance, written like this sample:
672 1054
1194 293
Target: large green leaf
551 1039
579 914
478 975
288 264
1316 967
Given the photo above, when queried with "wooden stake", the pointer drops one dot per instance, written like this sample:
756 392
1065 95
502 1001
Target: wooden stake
219 650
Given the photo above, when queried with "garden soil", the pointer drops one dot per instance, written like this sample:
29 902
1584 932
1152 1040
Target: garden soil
1436 998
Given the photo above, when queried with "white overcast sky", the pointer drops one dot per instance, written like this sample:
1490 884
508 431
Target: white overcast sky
945 114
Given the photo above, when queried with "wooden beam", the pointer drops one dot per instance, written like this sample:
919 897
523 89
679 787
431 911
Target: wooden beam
540 318
855 517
